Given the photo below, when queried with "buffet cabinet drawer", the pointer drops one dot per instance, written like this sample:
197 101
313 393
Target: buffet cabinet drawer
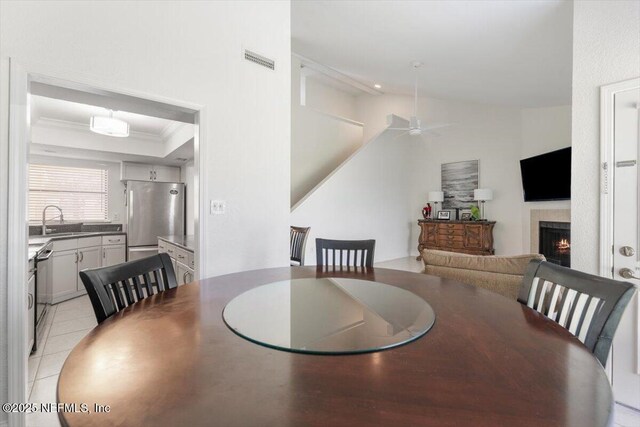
471 237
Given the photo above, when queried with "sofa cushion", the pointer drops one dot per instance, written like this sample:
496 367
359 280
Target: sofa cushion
500 274
515 265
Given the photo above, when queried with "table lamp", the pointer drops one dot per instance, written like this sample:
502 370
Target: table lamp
482 195
435 197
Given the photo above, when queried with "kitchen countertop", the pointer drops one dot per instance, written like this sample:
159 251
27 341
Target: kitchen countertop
37 243
185 242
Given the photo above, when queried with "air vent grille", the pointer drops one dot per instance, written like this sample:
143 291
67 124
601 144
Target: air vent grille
259 59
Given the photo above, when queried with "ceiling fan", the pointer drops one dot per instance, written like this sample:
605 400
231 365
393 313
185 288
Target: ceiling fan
415 128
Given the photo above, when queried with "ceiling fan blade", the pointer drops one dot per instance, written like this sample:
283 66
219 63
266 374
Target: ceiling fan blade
402 134
407 129
432 133
436 126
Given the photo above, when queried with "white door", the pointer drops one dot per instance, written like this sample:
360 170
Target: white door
88 258
64 274
626 243
112 255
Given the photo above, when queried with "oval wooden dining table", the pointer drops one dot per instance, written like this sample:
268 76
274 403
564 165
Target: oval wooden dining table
170 360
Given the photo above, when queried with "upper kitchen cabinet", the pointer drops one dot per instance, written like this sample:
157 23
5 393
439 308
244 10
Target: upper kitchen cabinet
145 172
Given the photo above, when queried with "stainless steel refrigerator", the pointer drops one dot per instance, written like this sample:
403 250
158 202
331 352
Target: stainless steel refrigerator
153 209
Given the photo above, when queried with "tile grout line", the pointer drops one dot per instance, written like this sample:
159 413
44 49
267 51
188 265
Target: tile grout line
45 340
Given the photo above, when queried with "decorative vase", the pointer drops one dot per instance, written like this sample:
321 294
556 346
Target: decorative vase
426 211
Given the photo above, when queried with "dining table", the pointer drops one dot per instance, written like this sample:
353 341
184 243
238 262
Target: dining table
173 359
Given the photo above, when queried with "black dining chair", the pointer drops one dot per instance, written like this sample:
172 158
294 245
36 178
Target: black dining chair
297 244
113 288
589 306
350 253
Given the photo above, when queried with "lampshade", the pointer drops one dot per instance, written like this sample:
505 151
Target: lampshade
109 126
436 196
483 194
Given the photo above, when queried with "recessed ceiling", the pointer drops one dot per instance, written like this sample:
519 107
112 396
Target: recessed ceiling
66 111
495 52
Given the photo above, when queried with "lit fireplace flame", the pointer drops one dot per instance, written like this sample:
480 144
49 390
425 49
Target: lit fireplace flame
563 244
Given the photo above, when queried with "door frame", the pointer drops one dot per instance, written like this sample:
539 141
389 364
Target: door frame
20 76
607 171
607 178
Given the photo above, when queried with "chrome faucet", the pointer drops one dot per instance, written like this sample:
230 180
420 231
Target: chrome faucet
44 221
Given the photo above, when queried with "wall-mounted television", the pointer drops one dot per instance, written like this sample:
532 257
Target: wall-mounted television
547 176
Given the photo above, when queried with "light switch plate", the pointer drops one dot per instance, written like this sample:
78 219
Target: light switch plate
218 207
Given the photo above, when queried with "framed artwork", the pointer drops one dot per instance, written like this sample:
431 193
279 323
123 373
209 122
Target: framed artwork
465 216
444 215
458 180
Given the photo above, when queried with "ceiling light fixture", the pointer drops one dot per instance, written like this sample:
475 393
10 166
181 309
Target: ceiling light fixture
109 126
377 86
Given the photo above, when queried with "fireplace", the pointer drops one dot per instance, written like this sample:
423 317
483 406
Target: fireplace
555 242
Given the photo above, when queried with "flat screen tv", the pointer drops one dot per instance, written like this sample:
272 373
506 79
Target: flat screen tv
547 176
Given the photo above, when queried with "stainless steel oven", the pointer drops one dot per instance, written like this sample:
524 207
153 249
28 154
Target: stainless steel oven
43 291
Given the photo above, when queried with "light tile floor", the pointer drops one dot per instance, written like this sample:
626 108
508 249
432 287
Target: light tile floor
623 416
68 322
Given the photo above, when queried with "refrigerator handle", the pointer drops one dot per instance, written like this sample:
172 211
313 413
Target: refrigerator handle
130 208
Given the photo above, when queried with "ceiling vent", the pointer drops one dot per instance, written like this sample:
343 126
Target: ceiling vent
259 59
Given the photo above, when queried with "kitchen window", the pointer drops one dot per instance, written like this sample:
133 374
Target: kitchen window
81 193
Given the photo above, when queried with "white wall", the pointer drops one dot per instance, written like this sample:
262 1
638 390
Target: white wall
187 176
189 51
606 49
325 98
320 142
116 209
543 129
489 134
366 198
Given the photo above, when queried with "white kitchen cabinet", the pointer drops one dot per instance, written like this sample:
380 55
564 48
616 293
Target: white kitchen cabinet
64 275
113 254
31 307
69 257
183 274
174 263
88 258
145 172
166 174
182 261
136 172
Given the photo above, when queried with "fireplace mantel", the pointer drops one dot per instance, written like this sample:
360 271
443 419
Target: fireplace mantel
551 215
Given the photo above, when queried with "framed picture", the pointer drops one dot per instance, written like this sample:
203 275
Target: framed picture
446 215
465 216
458 180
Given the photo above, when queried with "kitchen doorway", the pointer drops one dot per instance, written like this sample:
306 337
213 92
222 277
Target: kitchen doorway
29 82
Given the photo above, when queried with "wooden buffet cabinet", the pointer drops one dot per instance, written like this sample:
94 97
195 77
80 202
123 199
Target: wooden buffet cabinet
469 237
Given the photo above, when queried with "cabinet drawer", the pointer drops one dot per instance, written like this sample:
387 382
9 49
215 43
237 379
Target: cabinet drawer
458 231
181 255
451 241
162 246
113 240
65 245
87 242
171 250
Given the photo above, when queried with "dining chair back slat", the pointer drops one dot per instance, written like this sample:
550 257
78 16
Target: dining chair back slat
334 253
114 288
297 244
588 306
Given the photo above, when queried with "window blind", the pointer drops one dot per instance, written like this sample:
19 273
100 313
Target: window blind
81 193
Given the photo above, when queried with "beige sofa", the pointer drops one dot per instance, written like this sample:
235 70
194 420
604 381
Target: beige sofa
500 274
